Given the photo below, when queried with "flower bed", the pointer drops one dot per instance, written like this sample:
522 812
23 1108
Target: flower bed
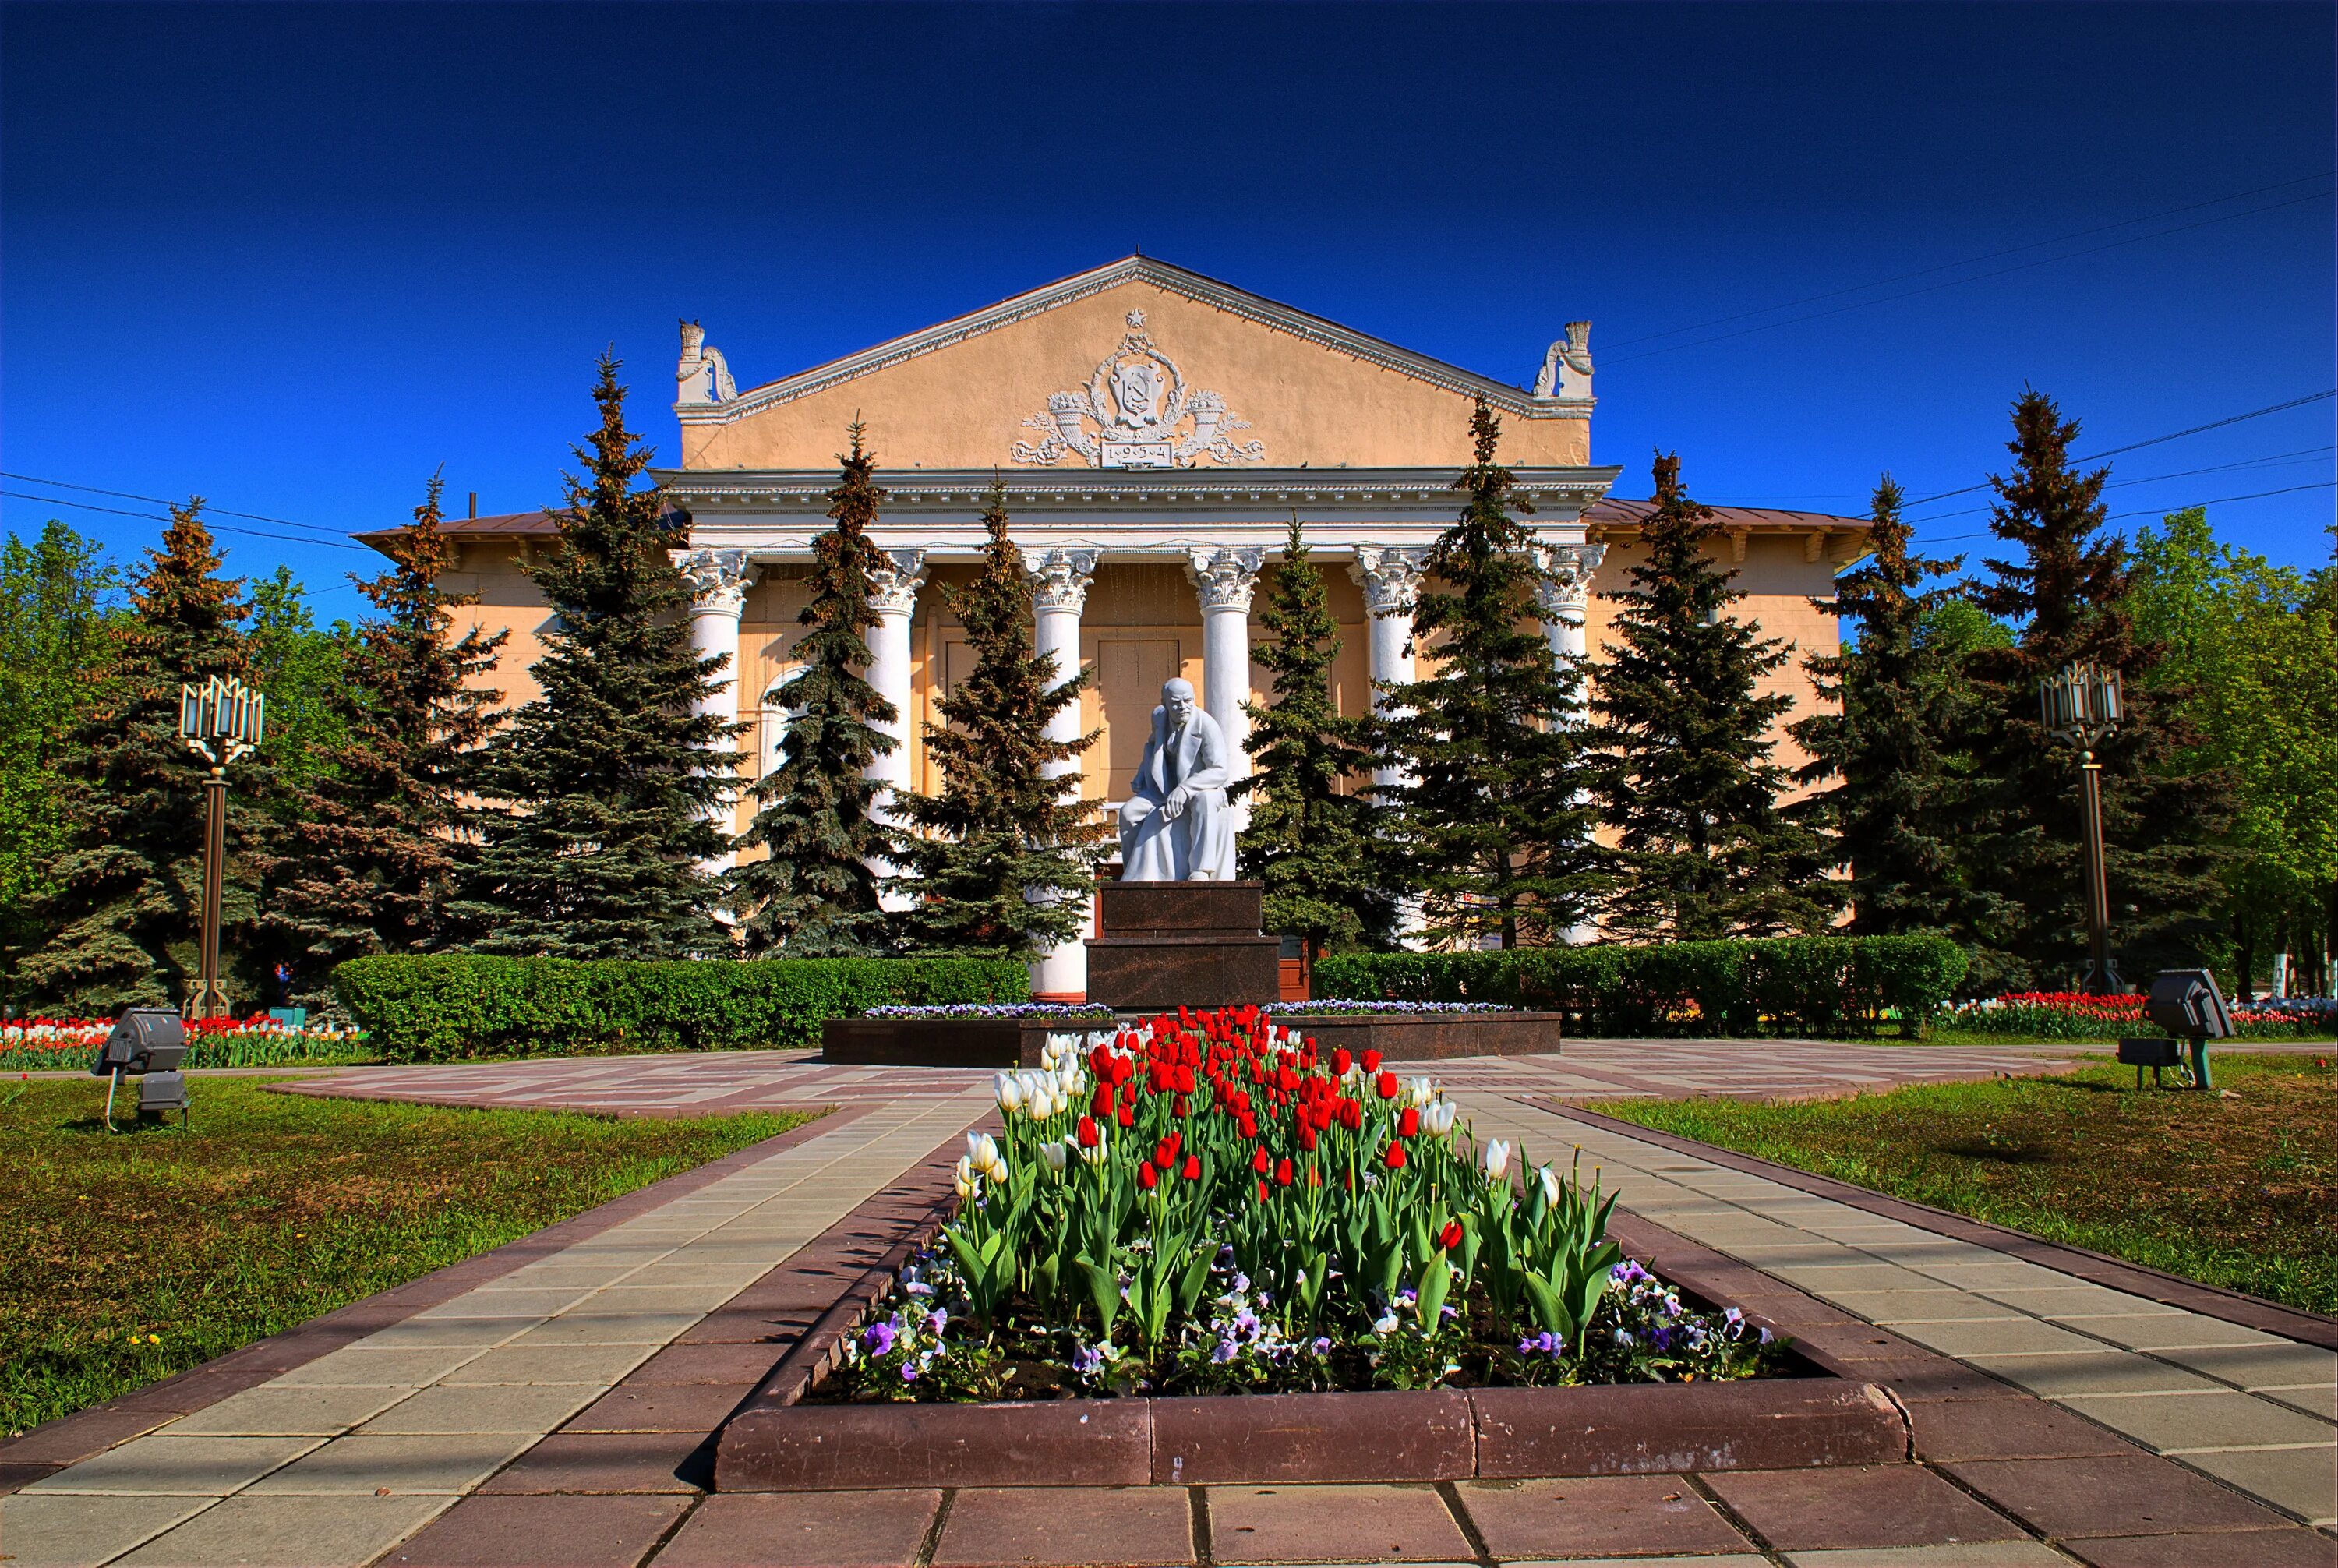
1338 1008
70 1045
989 1011
1209 1205
2076 1015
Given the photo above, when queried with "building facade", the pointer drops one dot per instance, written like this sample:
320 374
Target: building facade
1156 432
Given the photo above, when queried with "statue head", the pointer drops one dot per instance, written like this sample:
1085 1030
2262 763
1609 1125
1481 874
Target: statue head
1177 696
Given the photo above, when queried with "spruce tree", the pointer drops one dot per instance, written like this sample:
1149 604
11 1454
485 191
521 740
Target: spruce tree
372 859
1883 743
1491 830
1685 776
125 904
606 788
2020 828
1002 858
1311 843
815 893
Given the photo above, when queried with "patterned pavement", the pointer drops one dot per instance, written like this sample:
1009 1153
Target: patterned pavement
712 1083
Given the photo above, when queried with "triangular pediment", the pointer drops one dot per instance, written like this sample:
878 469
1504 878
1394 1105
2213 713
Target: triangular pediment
1135 364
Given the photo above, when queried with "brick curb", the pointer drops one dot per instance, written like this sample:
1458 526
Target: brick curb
2232 1306
70 1439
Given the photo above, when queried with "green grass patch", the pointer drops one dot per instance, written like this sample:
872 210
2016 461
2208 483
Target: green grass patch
133 1256
2233 1191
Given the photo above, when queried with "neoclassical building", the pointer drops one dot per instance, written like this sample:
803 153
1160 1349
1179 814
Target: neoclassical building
1156 431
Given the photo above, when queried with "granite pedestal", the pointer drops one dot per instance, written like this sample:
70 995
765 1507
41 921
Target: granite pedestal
1195 943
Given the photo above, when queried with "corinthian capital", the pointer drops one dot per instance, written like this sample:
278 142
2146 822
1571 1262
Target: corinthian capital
717 579
1225 575
1563 592
893 587
1060 578
1390 578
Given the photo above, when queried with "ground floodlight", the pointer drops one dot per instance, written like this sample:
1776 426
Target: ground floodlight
147 1044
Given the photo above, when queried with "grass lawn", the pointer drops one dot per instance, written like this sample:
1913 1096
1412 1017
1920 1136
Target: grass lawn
131 1257
2237 1192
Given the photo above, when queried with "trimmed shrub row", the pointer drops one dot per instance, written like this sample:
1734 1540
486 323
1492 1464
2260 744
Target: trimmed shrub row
1811 985
447 1008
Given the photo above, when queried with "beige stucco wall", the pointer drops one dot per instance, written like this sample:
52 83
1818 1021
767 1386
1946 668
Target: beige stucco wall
1140 617
963 405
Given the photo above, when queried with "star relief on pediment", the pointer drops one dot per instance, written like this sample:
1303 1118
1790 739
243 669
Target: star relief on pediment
1138 411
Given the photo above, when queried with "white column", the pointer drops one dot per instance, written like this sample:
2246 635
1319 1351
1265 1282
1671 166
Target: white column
1390 579
1564 595
1225 577
718 582
1059 591
893 594
1564 600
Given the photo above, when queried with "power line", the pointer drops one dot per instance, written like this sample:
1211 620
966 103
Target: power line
2298 456
2159 511
2154 441
158 501
1976 260
150 517
1977 278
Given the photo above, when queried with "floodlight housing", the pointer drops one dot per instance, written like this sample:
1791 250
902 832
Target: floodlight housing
143 1040
2188 1004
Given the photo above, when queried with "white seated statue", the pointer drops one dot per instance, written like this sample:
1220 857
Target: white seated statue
1177 826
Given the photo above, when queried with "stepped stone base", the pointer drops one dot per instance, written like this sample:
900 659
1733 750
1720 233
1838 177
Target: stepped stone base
1195 943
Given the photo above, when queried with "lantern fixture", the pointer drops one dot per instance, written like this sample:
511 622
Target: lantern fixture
220 720
2081 706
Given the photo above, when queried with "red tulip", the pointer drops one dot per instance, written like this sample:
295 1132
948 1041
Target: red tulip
1306 1140
1386 1084
1282 1172
1262 1191
1409 1124
1259 1161
1372 1060
1164 1154
1126 1117
1100 1102
1089 1136
1394 1158
1146 1178
1450 1237
1340 1061
1192 1167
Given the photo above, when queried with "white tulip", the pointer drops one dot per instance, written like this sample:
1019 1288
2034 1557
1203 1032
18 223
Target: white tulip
982 1153
1552 1183
1496 1159
962 1178
1054 1154
1008 1090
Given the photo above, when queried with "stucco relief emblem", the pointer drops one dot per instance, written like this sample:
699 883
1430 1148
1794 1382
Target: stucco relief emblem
1137 412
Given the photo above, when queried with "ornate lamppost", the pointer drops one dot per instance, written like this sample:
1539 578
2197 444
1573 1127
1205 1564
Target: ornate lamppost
2081 707
220 720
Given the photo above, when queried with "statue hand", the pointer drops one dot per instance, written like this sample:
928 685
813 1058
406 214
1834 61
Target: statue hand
1175 804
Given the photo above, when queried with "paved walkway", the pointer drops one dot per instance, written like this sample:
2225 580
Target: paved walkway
518 1423
701 1083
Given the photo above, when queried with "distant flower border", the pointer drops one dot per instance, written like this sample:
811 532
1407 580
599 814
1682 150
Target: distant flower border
1398 1009
990 1011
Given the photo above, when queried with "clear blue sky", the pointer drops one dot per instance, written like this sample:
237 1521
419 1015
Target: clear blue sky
296 257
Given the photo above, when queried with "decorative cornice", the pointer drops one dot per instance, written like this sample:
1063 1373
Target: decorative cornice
1389 578
717 579
893 587
1171 279
1060 578
1225 575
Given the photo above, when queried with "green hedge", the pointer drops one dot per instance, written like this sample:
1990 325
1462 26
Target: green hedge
449 1008
1823 985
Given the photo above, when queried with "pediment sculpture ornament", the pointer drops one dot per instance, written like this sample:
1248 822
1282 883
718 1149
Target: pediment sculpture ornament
1138 412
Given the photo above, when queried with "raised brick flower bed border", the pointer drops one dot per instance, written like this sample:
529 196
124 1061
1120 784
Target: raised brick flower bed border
776 1442
1018 1042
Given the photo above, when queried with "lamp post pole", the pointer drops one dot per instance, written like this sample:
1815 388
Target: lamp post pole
220 720
2082 705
